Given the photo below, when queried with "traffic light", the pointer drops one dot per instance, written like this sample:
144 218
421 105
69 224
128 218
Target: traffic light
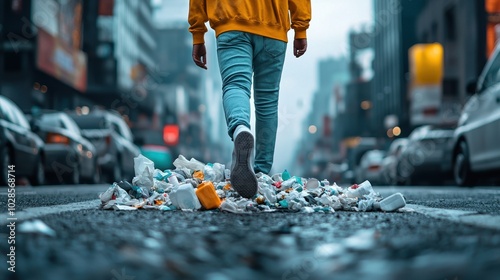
171 134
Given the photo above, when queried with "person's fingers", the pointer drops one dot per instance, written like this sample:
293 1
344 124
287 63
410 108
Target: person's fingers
199 59
201 65
299 52
200 55
199 62
300 47
204 59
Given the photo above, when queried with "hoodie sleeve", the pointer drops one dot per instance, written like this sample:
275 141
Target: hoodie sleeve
197 18
300 11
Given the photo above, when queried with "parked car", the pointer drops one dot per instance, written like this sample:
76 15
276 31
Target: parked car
475 143
354 154
19 146
425 158
113 141
389 163
370 167
68 155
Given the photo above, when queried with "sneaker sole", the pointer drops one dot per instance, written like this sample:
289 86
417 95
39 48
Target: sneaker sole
243 177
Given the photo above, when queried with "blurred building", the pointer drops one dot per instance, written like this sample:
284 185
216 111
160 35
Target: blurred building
460 27
394 34
355 108
192 95
318 145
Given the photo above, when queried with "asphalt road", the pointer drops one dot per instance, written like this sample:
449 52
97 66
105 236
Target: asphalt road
431 243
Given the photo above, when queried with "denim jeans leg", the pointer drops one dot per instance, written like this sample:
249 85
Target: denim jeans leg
268 65
235 52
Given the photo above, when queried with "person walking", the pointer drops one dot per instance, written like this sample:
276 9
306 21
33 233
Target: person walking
251 43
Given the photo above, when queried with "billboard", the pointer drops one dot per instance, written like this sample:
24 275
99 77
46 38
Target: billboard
57 59
493 24
426 77
59 25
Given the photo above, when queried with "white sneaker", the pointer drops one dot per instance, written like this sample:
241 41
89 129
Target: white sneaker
243 177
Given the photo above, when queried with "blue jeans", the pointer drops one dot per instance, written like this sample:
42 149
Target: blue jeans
240 55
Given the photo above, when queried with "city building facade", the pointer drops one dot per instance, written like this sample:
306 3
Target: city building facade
394 34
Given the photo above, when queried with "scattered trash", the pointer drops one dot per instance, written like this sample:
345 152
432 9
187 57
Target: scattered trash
36 226
194 185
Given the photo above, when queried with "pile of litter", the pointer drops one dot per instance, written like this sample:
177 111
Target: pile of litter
193 185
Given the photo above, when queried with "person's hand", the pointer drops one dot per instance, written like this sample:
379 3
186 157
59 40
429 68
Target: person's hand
299 47
200 55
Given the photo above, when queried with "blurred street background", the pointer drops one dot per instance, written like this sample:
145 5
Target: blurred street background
389 73
403 93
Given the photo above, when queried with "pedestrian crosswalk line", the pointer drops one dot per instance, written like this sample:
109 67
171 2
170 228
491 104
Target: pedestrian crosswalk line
471 218
35 212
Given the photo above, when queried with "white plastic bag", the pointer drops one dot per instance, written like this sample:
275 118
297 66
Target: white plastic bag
192 164
144 169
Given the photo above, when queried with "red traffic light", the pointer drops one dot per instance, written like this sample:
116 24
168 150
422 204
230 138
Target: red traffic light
171 134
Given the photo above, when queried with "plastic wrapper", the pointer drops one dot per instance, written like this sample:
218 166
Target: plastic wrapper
123 207
366 205
277 177
126 186
144 169
219 170
114 195
230 205
267 192
182 173
198 174
192 164
285 175
160 175
214 172
139 192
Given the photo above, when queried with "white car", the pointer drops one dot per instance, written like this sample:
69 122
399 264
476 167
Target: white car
477 137
370 167
390 162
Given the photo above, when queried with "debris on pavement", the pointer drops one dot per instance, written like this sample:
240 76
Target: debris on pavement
37 227
193 186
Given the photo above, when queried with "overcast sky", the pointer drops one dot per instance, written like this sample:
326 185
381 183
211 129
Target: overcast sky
327 37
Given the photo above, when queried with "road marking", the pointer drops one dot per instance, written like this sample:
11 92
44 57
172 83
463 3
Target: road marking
36 212
470 218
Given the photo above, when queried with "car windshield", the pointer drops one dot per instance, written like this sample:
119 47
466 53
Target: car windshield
51 120
375 156
91 122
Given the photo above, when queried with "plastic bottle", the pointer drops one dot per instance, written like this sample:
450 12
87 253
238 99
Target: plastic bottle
361 190
173 180
391 203
207 195
184 198
285 175
312 184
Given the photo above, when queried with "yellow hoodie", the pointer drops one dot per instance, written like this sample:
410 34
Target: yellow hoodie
268 18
